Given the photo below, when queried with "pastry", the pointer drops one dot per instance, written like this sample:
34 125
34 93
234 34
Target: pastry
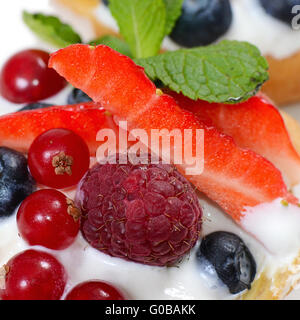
142 238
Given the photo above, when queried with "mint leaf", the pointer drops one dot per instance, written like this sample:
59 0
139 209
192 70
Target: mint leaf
141 23
51 29
115 43
173 9
228 72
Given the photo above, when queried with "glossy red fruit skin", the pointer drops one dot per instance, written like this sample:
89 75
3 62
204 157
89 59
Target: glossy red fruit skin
94 290
43 219
25 77
49 145
34 275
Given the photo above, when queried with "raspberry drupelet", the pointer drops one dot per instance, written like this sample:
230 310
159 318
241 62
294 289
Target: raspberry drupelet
144 213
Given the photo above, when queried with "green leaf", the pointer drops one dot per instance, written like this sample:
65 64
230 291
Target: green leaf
115 43
228 72
51 29
173 9
141 23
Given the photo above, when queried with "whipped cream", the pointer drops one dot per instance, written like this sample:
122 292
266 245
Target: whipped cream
276 225
250 23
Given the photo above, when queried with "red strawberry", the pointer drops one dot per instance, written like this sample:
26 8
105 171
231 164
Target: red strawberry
232 177
255 124
18 130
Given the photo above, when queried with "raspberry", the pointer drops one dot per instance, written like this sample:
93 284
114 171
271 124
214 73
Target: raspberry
144 213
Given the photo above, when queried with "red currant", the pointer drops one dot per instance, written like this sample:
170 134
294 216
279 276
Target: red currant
58 158
94 290
48 218
33 275
25 77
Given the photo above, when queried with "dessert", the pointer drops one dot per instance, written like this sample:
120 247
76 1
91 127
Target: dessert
244 20
145 225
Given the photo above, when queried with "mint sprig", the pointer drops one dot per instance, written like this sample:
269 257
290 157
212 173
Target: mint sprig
114 43
51 29
227 72
173 10
141 23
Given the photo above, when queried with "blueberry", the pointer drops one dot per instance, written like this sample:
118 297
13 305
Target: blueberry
78 96
36 105
202 22
280 9
105 2
231 258
16 182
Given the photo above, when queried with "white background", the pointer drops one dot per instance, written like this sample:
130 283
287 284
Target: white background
13 33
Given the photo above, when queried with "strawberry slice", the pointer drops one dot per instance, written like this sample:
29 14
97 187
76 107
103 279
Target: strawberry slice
255 124
18 130
232 177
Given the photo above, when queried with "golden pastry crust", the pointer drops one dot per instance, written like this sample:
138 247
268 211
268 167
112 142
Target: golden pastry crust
276 287
293 127
284 84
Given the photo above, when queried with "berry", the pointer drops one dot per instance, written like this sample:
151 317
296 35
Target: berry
94 290
255 124
280 9
144 213
58 158
78 96
35 106
49 219
114 86
33 275
18 130
105 2
231 259
25 77
202 22
16 182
